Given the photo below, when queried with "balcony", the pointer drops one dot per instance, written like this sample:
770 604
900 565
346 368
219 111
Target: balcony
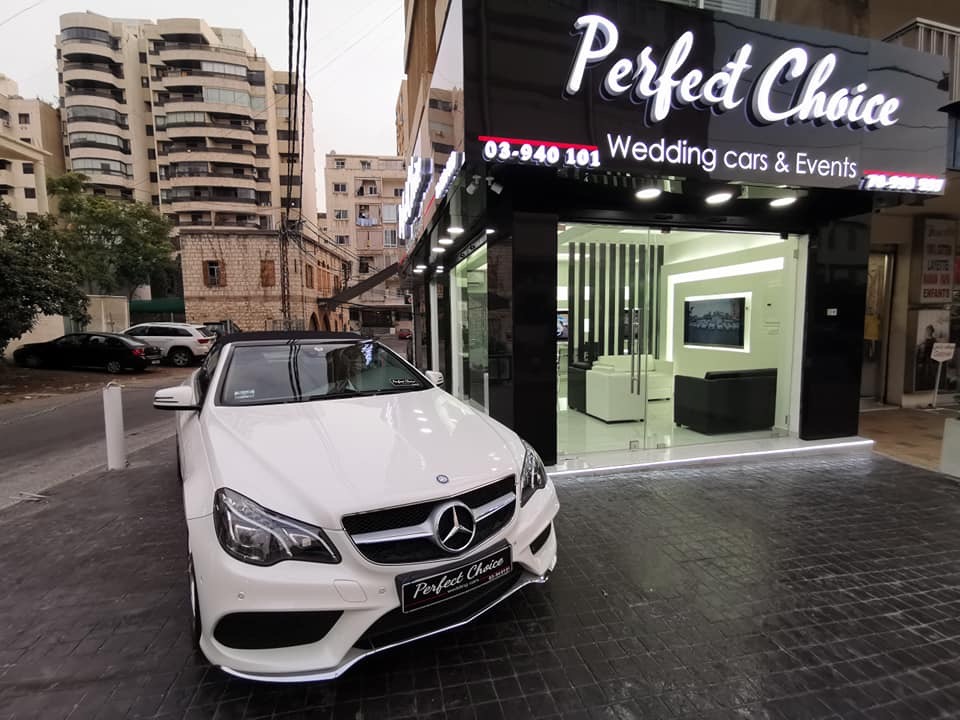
202 154
368 222
81 117
172 46
115 71
935 38
115 95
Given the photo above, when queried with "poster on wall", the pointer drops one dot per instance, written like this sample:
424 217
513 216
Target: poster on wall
937 270
933 326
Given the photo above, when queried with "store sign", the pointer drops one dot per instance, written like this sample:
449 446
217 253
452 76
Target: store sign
943 352
936 279
665 90
419 173
449 173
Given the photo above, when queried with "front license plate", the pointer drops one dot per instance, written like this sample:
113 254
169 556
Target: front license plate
432 589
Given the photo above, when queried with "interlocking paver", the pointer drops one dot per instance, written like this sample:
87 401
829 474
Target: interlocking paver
801 588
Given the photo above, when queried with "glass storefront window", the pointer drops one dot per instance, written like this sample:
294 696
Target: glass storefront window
469 337
672 338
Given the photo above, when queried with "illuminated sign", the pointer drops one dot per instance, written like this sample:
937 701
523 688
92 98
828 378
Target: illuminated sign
662 87
450 171
656 89
419 173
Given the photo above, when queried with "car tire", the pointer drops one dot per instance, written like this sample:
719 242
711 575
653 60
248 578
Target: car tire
114 367
181 357
196 622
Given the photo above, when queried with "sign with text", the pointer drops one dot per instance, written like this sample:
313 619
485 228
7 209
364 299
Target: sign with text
665 90
943 352
936 271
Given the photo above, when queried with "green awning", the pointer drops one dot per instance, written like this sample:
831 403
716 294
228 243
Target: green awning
157 305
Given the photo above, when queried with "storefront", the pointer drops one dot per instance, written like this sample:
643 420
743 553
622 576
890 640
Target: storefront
644 226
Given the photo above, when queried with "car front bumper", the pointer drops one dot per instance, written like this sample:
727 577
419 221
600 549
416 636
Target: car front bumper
361 591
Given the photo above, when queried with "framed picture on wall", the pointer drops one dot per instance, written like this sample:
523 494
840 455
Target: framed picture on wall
718 322
563 325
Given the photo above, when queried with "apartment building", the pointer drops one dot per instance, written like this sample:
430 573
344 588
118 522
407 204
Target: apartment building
30 149
185 116
363 195
190 118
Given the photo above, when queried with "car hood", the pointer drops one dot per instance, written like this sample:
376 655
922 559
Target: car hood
317 461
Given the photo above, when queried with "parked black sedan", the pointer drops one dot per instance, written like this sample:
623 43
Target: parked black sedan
110 351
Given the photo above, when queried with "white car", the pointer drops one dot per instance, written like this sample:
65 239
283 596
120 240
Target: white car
338 503
181 343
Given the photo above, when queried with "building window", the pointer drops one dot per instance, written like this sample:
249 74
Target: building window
143 58
213 274
24 118
153 177
342 239
28 168
151 154
289 179
26 140
268 273
286 135
389 238
365 263
308 275
340 215
339 187
398 192
30 193
740 7
339 163
365 165
144 82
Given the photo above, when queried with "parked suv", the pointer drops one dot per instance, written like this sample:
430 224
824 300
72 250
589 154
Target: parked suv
180 343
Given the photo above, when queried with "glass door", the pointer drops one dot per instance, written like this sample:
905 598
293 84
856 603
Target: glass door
469 330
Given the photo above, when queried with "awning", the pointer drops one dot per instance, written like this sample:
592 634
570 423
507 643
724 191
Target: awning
158 305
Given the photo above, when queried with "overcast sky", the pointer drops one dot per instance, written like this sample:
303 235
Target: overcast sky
355 55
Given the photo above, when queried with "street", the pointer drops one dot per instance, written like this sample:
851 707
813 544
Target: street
55 438
803 588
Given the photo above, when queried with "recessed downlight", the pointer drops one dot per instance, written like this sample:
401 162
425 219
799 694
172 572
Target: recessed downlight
419 270
455 230
783 201
420 266
445 241
719 198
489 231
648 193
436 249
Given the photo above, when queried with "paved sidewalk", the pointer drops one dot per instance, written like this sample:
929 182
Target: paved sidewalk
804 588
910 435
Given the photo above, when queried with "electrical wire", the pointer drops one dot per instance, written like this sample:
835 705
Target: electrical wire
20 12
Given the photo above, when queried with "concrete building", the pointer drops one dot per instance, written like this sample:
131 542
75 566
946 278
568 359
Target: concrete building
30 149
182 115
363 195
192 119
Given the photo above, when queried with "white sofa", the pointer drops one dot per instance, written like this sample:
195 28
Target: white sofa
609 396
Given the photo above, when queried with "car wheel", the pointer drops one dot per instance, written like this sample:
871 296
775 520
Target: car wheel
114 367
196 624
180 357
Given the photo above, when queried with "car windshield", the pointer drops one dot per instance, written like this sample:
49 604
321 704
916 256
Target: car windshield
314 370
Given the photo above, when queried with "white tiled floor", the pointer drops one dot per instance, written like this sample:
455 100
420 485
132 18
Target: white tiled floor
579 433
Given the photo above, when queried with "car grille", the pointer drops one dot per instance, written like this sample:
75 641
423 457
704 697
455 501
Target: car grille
397 626
423 549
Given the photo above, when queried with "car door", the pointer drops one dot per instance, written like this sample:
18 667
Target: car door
66 351
161 337
95 352
190 436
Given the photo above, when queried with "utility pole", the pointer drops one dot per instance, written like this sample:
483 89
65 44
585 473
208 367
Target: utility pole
284 273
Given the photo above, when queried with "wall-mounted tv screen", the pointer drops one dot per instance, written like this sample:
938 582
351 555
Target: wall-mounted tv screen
718 322
563 326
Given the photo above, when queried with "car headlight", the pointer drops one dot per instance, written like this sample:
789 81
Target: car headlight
255 535
533 477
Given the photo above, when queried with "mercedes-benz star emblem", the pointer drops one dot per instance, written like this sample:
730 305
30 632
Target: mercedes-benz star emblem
454 526
443 479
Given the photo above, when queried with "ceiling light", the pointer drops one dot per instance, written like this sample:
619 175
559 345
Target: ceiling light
454 230
489 231
648 193
445 241
783 201
439 268
419 270
719 198
437 250
420 266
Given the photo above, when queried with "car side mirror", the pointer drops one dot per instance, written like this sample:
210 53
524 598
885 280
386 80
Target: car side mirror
435 376
180 397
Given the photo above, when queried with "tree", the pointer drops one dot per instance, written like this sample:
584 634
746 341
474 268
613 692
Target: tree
37 276
118 244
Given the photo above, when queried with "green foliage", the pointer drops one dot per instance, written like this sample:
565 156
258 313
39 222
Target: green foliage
117 244
37 276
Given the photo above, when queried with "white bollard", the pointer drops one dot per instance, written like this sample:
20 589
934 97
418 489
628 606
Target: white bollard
113 424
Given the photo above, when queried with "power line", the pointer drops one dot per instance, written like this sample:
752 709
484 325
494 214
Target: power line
20 12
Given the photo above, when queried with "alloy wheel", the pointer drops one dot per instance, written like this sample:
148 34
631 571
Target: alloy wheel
180 358
114 366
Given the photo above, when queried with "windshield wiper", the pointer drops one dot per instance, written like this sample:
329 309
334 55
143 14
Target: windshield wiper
346 392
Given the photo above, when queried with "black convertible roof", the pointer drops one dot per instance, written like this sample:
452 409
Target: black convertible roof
289 335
